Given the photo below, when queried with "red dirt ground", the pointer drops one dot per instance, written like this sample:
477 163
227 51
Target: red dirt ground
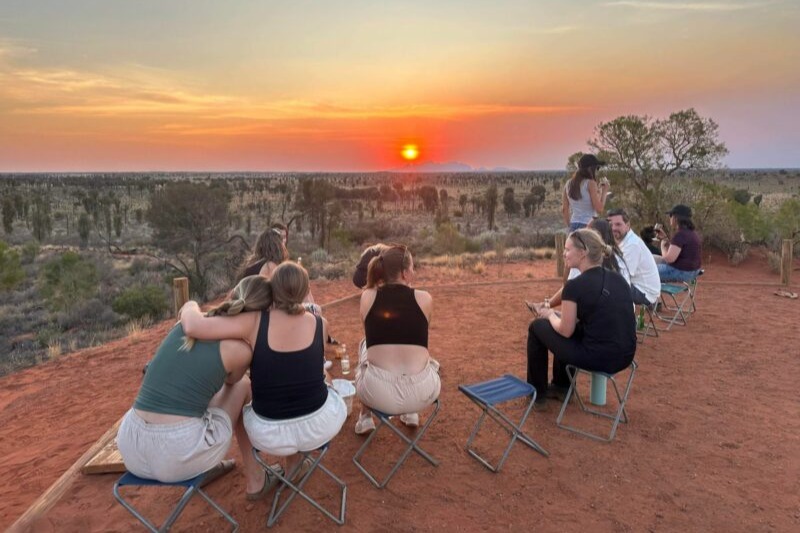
712 444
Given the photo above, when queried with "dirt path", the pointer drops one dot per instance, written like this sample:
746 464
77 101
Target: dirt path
712 445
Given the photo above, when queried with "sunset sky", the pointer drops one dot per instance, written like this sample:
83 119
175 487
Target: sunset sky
93 85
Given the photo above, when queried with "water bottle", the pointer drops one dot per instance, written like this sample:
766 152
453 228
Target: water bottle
640 319
345 361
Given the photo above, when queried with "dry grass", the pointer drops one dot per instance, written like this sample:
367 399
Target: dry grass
53 350
479 267
136 327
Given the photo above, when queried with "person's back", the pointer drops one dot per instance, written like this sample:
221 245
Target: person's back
605 312
289 382
581 209
690 257
641 265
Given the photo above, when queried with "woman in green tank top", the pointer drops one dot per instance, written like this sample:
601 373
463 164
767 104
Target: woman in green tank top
190 403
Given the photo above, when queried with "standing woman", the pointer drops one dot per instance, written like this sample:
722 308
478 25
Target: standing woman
293 409
680 256
395 373
596 329
190 402
582 198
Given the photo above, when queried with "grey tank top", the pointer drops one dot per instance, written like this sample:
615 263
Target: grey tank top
581 210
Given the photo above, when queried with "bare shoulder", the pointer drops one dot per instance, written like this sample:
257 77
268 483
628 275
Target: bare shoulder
236 354
424 300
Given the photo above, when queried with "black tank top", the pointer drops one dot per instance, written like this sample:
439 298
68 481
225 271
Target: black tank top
252 270
395 318
287 384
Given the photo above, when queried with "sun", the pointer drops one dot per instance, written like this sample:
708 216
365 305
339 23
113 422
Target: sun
410 152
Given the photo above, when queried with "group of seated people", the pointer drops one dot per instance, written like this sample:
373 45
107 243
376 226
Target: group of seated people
610 269
196 393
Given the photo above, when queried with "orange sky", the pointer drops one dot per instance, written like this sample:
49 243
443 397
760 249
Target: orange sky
204 85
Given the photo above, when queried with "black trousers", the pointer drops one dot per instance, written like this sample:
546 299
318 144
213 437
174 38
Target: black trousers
566 351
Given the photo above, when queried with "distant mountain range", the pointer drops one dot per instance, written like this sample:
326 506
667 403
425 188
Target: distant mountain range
449 166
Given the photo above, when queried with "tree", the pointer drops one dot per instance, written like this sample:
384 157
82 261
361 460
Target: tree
40 219
67 281
9 212
190 223
491 204
11 271
84 229
429 196
510 205
462 202
646 152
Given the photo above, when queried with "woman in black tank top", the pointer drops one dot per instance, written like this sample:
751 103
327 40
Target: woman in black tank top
396 374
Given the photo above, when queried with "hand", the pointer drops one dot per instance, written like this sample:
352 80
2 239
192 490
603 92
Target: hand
545 312
188 305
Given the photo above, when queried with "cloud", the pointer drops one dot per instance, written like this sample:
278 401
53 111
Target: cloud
687 6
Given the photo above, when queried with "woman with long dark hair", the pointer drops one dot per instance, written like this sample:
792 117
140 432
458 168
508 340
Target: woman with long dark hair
582 198
681 256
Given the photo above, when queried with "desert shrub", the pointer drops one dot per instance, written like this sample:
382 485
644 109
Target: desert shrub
518 253
787 220
68 280
11 271
319 256
30 250
90 314
138 302
449 240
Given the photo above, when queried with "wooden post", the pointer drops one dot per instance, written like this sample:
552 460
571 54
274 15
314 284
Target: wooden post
787 257
180 292
561 239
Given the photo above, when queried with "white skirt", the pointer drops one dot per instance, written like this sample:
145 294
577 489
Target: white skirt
302 434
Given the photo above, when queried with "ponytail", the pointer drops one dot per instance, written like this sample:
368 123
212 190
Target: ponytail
388 266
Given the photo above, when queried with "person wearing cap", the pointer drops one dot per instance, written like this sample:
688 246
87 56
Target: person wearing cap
681 255
644 277
583 198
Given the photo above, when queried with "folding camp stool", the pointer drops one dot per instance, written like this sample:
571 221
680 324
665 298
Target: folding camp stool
677 301
296 486
192 487
620 416
487 395
384 420
647 314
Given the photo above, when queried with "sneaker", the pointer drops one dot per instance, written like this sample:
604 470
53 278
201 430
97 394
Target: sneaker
365 424
411 420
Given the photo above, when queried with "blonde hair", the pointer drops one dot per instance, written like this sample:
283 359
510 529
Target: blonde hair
388 266
290 286
591 241
253 293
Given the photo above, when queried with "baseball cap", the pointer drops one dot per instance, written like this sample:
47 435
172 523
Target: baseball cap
681 211
589 160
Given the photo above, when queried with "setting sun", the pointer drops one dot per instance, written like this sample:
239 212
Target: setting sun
410 152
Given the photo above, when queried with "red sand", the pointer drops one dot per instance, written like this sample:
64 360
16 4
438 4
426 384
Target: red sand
712 444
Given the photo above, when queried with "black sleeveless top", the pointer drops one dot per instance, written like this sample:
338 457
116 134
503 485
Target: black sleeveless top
287 384
252 270
395 318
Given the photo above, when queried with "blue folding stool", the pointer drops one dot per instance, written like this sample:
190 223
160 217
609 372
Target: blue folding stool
192 487
384 420
681 302
296 486
487 395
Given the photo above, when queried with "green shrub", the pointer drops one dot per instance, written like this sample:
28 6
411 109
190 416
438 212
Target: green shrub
30 250
139 302
67 281
11 271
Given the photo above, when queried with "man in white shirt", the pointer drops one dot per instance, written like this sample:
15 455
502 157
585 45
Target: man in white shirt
645 281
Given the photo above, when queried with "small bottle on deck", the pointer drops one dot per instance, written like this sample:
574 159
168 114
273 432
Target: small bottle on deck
345 359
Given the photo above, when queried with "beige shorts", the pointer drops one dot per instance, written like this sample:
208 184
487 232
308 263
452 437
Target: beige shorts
174 452
301 434
396 394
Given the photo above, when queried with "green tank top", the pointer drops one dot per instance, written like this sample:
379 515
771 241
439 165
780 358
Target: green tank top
181 382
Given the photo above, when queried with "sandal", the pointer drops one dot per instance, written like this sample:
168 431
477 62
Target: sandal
786 294
270 480
218 470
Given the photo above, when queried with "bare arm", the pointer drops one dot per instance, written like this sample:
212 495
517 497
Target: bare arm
425 302
236 357
564 324
367 299
598 195
669 251
199 326
565 206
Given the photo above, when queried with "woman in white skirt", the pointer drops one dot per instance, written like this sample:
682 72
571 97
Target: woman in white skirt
293 409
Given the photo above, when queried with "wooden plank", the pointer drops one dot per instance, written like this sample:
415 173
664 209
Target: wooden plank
106 461
787 258
180 293
57 489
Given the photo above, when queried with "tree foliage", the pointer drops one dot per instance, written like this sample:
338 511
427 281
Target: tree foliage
190 223
490 204
67 281
647 151
11 271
